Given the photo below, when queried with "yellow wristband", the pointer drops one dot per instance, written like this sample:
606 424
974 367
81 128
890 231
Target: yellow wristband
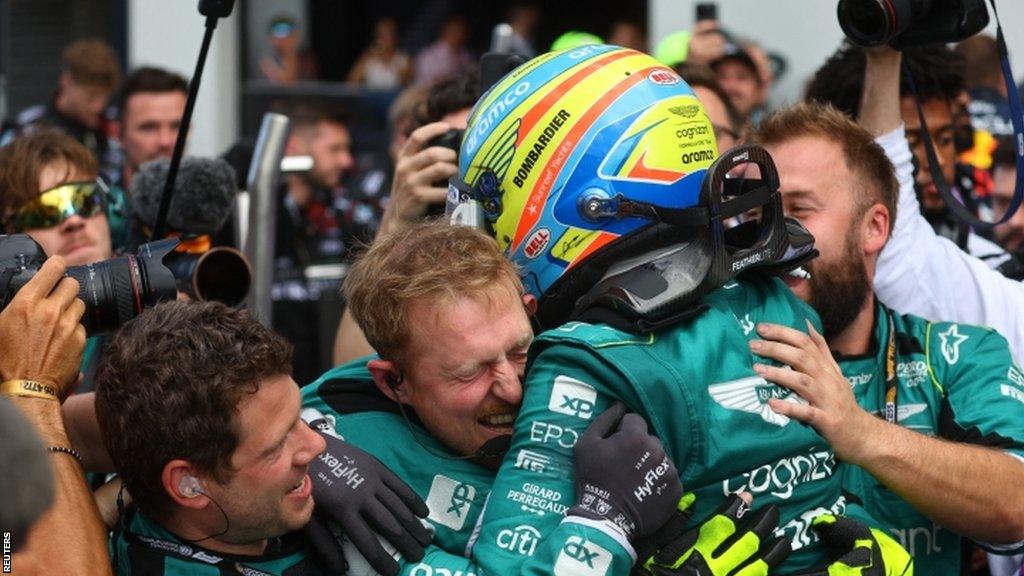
29 389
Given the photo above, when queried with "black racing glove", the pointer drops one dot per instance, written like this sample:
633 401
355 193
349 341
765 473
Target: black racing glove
857 550
327 544
361 495
623 475
734 541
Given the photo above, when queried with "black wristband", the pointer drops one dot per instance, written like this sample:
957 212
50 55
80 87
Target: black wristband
65 450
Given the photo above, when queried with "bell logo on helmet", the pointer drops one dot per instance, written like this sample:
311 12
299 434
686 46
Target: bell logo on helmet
663 77
537 242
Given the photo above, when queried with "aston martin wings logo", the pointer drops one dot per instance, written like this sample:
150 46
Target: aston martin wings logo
686 111
905 411
751 394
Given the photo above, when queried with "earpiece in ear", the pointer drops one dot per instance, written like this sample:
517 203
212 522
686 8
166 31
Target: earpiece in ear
189 487
393 380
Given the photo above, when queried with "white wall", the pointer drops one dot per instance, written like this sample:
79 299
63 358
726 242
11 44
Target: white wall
805 32
168 33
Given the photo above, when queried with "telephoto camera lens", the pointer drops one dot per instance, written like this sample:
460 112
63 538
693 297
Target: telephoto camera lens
866 22
119 289
114 291
876 22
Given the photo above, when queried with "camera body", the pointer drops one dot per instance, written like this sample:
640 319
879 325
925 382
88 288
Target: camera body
902 23
706 11
452 139
114 291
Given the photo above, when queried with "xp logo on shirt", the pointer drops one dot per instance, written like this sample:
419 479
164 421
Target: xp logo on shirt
449 501
572 397
580 557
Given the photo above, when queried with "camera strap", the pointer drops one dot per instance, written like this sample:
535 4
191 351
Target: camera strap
955 205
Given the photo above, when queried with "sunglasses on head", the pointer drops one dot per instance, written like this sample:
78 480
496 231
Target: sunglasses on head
53 206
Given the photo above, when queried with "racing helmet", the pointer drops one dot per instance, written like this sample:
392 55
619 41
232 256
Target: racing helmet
589 166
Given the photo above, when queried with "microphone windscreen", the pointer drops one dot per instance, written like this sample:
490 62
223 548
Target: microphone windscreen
204 192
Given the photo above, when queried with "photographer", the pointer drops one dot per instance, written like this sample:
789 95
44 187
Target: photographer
49 190
938 76
920 272
42 341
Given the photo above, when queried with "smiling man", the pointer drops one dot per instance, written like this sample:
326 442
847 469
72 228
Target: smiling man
925 411
216 460
450 319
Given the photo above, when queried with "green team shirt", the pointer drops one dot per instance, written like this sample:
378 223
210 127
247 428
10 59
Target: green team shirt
954 381
455 489
119 219
142 548
695 385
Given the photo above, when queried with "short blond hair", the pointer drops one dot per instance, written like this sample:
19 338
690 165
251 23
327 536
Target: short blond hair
432 263
865 159
92 62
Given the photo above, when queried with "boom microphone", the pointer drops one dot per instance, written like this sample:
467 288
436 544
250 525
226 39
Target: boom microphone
204 193
203 198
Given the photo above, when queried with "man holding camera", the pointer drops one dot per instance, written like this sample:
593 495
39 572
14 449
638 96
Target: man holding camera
42 342
425 161
49 190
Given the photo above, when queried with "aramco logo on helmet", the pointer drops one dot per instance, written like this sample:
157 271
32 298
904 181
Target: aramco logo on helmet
494 113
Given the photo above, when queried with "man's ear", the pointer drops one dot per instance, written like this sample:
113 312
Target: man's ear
177 478
117 127
388 378
530 303
875 231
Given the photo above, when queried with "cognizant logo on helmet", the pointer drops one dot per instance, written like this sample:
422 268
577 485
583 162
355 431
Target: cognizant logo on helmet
495 113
